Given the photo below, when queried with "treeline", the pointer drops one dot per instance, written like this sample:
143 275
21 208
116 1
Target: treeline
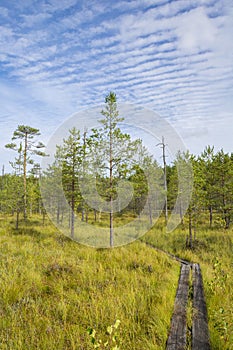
212 194
88 173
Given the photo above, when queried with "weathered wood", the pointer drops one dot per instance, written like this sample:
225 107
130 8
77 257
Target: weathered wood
200 332
177 335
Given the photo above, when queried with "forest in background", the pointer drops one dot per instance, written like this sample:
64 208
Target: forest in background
95 162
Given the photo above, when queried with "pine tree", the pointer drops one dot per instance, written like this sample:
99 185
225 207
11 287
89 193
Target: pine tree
209 180
27 147
223 168
71 153
114 151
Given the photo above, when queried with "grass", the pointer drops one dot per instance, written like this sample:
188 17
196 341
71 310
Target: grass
213 249
53 289
127 228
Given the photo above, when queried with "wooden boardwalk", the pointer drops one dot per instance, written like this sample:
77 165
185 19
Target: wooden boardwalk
178 329
200 332
177 337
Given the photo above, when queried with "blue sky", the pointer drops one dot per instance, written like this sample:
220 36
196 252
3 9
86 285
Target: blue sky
174 57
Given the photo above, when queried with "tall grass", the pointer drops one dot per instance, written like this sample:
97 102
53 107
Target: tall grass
53 289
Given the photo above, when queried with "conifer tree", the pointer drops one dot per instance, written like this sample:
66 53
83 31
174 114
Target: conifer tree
27 146
114 151
70 154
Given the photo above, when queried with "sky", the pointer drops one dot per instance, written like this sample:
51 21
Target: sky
58 57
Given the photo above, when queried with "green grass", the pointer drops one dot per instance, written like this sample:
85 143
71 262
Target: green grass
213 249
127 229
53 289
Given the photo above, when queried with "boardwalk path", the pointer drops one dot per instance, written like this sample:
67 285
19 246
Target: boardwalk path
200 332
177 339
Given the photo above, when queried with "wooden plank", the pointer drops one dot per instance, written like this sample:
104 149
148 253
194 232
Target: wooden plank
177 335
200 331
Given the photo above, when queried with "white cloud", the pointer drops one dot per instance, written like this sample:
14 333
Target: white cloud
196 31
4 12
35 19
56 5
174 57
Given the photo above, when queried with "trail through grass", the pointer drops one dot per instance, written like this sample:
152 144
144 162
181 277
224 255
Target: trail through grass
213 249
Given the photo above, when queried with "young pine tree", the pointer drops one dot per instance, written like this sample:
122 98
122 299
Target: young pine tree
27 146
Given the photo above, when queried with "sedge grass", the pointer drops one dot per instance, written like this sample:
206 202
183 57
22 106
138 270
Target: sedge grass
53 289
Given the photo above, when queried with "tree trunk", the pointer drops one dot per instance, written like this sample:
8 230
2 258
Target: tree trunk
195 224
111 225
25 176
165 181
181 215
211 216
72 210
190 230
58 213
17 220
150 212
83 211
43 213
84 171
226 219
226 216
86 216
111 188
